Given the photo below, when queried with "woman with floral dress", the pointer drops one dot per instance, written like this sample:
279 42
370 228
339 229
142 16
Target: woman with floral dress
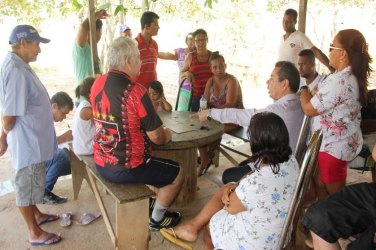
337 104
250 214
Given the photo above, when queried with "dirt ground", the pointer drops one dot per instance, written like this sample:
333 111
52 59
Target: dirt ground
13 232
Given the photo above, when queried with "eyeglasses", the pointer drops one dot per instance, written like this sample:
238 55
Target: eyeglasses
331 47
200 40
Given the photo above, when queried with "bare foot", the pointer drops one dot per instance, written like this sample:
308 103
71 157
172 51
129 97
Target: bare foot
185 232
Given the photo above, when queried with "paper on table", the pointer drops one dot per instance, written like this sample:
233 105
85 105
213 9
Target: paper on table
180 127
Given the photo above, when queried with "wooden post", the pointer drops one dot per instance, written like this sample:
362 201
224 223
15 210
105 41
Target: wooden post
302 15
93 38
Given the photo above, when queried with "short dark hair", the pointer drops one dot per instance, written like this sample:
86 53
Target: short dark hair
287 70
98 24
215 55
147 18
309 54
200 31
84 88
188 35
292 12
62 99
269 140
157 86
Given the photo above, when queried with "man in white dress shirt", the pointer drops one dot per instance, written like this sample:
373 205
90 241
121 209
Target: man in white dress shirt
294 41
283 85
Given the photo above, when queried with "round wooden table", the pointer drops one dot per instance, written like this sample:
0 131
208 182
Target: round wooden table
187 135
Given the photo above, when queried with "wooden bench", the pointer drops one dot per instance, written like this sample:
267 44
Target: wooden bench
240 133
131 204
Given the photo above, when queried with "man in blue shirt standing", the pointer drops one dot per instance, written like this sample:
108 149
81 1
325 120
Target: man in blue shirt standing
28 129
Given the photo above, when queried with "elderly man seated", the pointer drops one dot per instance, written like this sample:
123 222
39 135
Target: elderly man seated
126 124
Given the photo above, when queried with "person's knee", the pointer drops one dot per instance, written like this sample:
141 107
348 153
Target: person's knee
180 177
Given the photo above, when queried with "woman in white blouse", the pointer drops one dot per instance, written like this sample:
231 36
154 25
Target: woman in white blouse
337 104
250 214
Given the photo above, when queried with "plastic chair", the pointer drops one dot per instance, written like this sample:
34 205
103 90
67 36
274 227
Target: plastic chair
306 172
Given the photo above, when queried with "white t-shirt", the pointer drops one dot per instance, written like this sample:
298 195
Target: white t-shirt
266 197
83 132
289 49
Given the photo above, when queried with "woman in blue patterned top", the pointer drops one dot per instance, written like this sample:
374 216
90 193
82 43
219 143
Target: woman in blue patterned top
250 214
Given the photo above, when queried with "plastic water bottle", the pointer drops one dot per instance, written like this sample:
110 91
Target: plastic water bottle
203 103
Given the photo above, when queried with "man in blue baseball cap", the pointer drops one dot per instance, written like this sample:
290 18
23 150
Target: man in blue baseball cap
26 32
27 129
125 31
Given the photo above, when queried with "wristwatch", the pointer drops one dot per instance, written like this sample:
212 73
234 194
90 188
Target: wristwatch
303 87
208 117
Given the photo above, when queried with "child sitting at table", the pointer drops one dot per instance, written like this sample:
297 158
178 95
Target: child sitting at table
156 94
83 124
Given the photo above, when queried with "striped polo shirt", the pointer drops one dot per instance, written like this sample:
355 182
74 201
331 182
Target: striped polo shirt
149 57
201 72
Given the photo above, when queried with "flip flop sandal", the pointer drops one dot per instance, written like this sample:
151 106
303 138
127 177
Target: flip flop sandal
87 218
66 219
174 239
50 218
45 242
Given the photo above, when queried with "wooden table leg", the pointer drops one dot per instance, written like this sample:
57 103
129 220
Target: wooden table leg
132 225
103 209
78 171
187 159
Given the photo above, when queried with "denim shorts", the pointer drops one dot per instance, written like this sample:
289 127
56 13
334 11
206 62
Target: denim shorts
29 184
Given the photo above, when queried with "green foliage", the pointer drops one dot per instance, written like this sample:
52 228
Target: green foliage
77 5
121 9
34 11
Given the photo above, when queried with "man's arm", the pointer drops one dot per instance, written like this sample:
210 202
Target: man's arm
322 58
83 32
67 136
8 124
160 135
241 117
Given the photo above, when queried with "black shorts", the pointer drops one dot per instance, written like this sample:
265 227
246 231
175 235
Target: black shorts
351 211
155 171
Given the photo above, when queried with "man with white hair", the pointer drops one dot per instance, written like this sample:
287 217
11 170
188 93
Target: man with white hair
126 125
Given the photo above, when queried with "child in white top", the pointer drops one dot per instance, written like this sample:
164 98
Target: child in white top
83 124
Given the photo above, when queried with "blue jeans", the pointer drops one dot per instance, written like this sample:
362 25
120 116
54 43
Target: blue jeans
58 166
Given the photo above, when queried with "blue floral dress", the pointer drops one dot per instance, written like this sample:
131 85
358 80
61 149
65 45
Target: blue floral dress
266 196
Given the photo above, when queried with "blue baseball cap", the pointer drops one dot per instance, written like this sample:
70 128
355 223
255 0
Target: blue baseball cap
25 32
123 28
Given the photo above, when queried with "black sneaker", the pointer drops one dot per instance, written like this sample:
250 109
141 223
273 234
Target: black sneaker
52 198
168 213
167 221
